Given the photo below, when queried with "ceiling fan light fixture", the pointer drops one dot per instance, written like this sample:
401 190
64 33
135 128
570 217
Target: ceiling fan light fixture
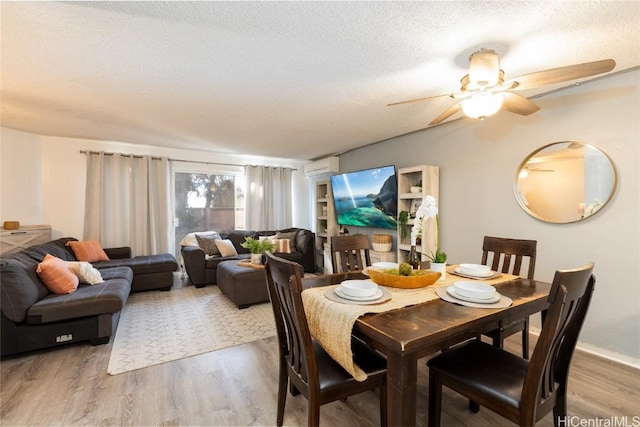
482 105
484 68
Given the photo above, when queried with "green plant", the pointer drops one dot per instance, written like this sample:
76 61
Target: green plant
257 246
403 217
438 256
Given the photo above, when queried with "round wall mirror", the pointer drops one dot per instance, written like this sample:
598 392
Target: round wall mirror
565 182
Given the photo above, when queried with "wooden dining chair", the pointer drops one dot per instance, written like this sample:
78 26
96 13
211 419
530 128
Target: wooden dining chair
520 390
352 252
304 366
506 256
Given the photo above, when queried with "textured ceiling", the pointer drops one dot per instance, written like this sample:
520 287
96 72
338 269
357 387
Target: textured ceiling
283 79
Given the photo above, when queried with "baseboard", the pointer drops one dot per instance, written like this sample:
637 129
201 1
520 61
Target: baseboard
600 352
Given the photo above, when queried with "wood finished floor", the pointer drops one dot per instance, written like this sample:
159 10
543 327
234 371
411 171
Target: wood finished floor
237 387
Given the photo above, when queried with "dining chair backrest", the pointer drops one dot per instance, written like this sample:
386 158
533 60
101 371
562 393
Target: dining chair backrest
520 390
285 289
303 363
507 254
350 253
548 368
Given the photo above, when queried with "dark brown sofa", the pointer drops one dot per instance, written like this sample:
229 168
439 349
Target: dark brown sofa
202 270
34 318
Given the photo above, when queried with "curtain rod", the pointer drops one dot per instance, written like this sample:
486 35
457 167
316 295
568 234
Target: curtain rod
139 156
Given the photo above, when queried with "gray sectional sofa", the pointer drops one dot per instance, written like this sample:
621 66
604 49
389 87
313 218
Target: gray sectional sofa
202 269
34 318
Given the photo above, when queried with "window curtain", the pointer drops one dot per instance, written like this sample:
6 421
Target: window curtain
268 203
127 202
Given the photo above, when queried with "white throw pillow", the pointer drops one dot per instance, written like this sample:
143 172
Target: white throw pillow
226 248
86 272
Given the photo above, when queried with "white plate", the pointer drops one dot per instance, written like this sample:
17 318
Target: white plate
359 288
451 291
341 294
484 276
476 290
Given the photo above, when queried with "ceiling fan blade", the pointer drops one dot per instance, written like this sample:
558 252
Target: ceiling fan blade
447 113
410 101
561 74
518 104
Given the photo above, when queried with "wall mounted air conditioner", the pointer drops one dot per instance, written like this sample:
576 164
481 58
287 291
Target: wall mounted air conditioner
322 166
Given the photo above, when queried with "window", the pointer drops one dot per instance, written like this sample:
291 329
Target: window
207 199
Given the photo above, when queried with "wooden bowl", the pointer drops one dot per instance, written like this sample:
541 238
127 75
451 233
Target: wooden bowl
419 279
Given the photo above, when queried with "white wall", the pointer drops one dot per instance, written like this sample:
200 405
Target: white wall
20 190
478 162
43 178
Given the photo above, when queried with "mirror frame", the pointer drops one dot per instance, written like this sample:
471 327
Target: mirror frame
521 167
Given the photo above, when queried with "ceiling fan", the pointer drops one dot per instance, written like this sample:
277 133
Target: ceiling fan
484 91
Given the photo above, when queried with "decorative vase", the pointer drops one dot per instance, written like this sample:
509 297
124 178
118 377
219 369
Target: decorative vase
414 258
440 267
256 259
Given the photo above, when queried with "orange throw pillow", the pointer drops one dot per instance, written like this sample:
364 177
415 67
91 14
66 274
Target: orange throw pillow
56 275
89 251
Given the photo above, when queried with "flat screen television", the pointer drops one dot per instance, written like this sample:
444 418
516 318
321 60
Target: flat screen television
366 198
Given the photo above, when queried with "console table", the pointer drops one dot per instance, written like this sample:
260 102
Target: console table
23 237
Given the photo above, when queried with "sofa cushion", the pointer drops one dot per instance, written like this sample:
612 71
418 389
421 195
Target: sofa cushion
20 286
144 264
237 238
57 276
89 251
208 244
107 297
38 252
214 261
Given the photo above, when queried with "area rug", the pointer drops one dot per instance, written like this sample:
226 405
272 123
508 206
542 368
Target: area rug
159 327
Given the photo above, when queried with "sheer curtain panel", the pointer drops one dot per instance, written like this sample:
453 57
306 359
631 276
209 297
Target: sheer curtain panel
127 202
268 203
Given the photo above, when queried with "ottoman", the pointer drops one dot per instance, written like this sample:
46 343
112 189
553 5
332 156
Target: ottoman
242 284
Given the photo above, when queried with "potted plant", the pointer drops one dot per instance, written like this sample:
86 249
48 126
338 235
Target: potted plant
257 247
429 209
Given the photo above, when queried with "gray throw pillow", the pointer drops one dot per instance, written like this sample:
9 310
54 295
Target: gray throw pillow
208 244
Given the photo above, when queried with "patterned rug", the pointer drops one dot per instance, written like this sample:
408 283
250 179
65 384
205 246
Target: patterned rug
159 327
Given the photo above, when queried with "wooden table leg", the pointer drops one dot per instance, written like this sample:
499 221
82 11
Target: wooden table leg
402 376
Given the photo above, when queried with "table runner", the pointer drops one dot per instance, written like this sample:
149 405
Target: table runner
331 323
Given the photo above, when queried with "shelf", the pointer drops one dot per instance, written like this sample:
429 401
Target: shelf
428 176
411 196
325 220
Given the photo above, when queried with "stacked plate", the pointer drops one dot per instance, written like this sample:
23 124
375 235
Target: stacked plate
474 292
475 271
358 290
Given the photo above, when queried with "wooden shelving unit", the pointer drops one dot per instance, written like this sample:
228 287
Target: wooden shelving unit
326 225
409 201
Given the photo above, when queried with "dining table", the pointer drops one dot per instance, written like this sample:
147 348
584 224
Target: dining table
406 332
